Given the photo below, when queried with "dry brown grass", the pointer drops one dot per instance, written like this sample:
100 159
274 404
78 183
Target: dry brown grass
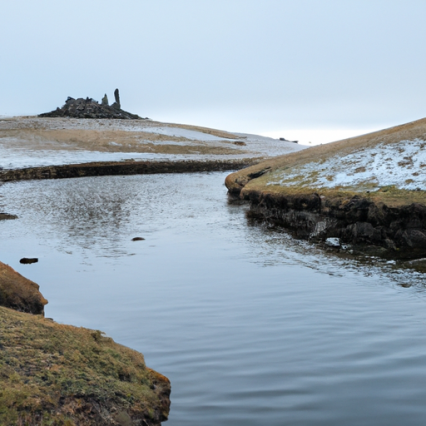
54 374
207 130
318 154
391 196
19 292
409 131
109 141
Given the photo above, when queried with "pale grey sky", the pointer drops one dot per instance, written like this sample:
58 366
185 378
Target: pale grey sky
278 67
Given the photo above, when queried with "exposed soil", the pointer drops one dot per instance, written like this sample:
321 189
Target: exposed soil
19 293
390 232
389 221
121 168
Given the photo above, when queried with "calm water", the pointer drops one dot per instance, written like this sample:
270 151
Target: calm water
251 326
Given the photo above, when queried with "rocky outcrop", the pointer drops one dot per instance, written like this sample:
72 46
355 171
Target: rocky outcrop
89 108
116 104
392 232
19 293
58 374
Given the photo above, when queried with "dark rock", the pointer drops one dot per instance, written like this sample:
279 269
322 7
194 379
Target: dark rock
259 173
138 239
4 216
117 97
28 261
89 108
397 232
285 140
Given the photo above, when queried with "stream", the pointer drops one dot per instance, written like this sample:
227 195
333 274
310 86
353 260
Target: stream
251 326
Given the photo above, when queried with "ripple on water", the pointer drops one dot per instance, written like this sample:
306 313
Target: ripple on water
251 326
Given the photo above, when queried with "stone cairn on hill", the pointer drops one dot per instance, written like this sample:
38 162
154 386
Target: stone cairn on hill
89 108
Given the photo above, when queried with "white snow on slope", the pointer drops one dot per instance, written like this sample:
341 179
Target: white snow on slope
268 146
30 151
402 164
179 132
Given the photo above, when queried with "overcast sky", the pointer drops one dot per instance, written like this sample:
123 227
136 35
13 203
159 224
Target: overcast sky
306 69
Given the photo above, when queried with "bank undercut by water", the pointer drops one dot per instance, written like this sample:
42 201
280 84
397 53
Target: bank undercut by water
368 191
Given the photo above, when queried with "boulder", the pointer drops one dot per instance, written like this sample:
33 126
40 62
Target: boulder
333 242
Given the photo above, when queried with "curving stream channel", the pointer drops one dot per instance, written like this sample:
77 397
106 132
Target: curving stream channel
251 326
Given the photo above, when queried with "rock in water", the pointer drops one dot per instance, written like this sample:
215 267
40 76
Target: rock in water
333 242
28 261
105 100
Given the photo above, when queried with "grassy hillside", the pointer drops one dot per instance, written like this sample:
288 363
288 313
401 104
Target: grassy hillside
388 166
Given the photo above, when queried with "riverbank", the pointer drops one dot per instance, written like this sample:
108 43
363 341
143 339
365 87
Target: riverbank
368 191
122 168
63 375
311 316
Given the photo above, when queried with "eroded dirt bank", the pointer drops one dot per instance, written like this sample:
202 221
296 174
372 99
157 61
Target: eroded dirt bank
63 375
392 232
111 168
368 190
19 293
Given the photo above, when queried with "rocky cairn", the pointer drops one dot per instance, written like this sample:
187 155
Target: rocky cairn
89 108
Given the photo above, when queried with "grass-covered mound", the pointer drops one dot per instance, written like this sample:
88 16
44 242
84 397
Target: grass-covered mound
389 165
54 374
370 189
19 293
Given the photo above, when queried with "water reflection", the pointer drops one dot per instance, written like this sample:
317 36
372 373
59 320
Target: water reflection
252 326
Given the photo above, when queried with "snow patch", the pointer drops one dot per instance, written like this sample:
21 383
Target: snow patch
183 133
402 164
